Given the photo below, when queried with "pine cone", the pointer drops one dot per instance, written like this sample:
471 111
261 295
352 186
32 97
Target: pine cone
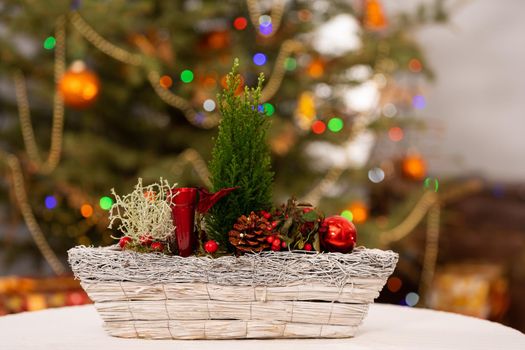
249 233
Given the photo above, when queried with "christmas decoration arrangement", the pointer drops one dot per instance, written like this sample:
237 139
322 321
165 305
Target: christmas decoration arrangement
191 264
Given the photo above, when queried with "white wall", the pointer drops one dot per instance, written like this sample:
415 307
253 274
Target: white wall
479 95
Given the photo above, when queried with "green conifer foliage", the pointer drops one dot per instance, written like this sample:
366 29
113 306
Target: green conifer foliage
240 158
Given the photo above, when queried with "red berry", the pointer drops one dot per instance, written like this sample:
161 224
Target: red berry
145 240
308 247
270 239
307 210
211 246
266 215
157 246
269 227
284 245
124 241
276 248
276 242
274 224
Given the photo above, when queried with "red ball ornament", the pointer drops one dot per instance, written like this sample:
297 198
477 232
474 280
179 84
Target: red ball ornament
124 241
340 234
157 246
211 246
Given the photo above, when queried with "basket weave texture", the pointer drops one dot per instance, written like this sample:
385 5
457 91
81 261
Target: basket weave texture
266 295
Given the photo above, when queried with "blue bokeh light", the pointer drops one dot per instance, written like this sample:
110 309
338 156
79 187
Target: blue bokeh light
266 28
50 202
418 101
259 59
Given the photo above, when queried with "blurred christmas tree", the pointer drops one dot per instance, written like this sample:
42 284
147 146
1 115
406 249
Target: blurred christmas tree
139 81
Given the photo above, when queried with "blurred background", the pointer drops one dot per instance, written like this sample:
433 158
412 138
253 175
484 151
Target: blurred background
404 117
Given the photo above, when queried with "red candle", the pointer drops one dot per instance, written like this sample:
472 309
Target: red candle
183 215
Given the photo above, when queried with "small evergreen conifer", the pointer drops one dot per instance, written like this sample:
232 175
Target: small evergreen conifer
240 158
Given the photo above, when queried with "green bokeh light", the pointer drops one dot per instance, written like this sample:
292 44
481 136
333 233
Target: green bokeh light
431 183
290 63
49 43
269 109
335 124
105 202
186 76
347 214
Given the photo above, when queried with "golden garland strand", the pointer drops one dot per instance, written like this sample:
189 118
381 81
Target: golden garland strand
195 159
24 114
181 104
431 250
102 44
31 222
276 78
276 14
119 54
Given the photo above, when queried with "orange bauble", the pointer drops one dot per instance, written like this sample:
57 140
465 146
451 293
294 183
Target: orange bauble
79 86
414 167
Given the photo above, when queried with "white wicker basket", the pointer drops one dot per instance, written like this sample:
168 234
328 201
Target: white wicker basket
267 295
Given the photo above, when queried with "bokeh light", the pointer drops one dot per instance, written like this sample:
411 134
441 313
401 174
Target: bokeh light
290 63
347 214
376 175
335 124
86 210
269 109
412 299
418 101
265 29
396 134
105 202
431 184
414 65
389 110
50 202
394 284
318 127
359 212
209 105
165 81
49 43
186 76
240 23
259 59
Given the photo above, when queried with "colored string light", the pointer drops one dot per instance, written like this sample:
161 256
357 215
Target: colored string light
396 134
105 202
86 210
414 65
419 102
50 42
266 29
394 284
430 183
186 76
290 64
411 299
165 81
335 124
318 127
240 23
209 105
347 214
259 59
50 202
376 175
269 109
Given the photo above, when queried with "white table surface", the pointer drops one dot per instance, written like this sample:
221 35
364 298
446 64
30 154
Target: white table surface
386 327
